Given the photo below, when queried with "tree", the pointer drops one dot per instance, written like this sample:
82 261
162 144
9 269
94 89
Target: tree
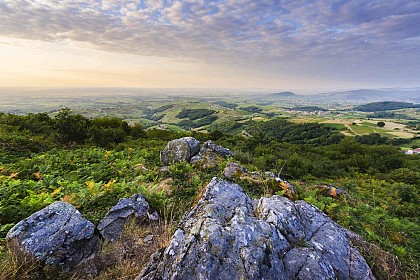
380 124
71 127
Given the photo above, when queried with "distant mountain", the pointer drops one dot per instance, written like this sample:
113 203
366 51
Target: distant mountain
385 106
369 95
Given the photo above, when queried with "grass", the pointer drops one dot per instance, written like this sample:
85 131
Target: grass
358 129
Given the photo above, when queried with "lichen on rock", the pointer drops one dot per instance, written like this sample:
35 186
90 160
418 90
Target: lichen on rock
57 235
112 225
182 149
227 235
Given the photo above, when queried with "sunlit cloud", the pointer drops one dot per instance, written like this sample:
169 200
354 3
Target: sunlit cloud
354 40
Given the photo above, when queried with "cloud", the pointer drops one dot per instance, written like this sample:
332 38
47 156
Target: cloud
274 34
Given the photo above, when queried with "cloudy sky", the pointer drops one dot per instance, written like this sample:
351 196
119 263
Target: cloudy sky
290 44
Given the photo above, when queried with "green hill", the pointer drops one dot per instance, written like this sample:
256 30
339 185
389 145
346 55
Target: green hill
385 106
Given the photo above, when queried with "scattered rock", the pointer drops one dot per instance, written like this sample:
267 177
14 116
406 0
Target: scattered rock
112 225
211 155
229 236
177 150
57 235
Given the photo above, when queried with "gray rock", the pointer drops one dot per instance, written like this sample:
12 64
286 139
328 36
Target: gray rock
177 150
233 170
211 155
112 225
56 235
230 236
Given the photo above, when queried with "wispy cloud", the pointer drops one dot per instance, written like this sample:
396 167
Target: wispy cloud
279 35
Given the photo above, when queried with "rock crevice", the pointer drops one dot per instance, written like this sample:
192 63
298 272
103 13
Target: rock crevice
230 236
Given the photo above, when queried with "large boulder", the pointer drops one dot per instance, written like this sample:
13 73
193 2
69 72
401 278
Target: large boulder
227 235
112 225
57 235
211 155
177 150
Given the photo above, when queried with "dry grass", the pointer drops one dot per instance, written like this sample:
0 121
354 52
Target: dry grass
384 265
125 258
14 267
122 259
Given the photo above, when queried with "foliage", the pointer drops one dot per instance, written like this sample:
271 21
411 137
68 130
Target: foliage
380 124
194 114
385 106
227 104
252 109
388 115
110 159
309 108
307 133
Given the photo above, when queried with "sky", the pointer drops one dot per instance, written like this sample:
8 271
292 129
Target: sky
267 44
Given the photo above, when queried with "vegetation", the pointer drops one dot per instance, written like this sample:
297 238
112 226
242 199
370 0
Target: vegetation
91 163
194 114
388 115
309 108
226 104
380 124
252 109
385 106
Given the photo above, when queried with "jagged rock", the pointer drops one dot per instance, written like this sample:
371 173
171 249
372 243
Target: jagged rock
233 170
177 150
112 225
56 235
230 236
211 155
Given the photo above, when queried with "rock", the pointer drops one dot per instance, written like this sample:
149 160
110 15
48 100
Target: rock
211 155
148 238
233 170
331 191
112 225
177 150
230 236
57 235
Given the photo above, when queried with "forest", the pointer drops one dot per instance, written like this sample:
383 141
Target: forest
385 106
91 163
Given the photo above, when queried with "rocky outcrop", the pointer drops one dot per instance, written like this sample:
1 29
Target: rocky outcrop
177 150
211 156
230 236
112 225
57 235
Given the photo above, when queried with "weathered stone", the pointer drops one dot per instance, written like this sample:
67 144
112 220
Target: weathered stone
177 150
211 155
233 170
56 235
112 225
229 236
